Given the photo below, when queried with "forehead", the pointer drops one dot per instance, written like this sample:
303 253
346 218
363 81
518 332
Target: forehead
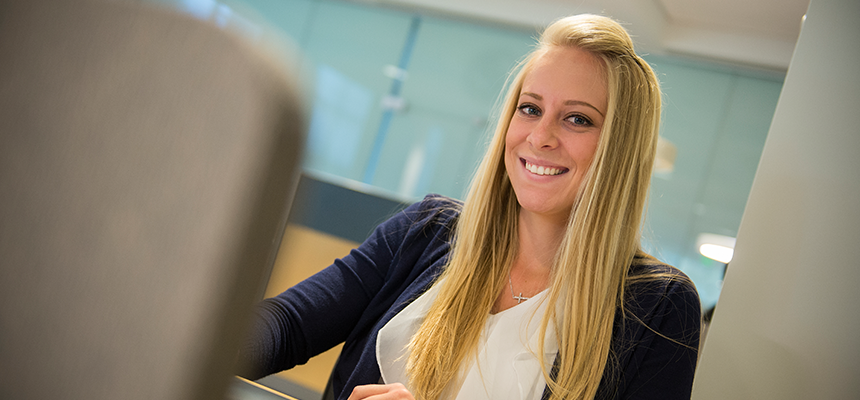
568 73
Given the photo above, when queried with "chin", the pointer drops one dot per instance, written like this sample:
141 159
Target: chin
543 207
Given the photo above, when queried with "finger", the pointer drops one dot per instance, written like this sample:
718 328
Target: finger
365 391
391 391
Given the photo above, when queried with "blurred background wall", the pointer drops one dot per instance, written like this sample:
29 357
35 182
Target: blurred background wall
402 99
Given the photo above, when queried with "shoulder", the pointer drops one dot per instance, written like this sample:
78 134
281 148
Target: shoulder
433 211
437 204
649 275
656 334
657 293
433 218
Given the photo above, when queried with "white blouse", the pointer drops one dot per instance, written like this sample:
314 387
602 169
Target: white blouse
506 366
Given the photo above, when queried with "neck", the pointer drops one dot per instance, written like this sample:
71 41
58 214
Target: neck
539 240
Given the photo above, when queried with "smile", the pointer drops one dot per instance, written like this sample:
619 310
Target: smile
544 171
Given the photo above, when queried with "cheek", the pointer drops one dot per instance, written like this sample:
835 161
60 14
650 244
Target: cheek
515 135
510 140
508 155
590 151
583 151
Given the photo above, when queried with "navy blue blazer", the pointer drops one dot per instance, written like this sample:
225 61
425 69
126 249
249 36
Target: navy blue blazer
654 354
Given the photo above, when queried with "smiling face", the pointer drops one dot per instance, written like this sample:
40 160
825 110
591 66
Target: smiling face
555 129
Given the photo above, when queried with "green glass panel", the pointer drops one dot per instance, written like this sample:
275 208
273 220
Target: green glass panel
287 17
718 118
349 45
455 75
694 103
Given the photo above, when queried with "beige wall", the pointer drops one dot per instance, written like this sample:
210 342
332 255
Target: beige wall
303 252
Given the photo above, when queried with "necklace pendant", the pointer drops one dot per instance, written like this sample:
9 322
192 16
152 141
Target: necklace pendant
520 298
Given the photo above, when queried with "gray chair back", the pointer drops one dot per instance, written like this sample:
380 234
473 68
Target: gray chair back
147 161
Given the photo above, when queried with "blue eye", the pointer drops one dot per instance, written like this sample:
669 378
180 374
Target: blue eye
579 120
529 109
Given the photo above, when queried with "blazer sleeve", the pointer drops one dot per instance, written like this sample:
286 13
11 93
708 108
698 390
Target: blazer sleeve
321 311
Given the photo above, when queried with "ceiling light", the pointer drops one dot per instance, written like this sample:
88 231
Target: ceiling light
716 247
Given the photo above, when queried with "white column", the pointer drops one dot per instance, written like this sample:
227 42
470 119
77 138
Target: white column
787 324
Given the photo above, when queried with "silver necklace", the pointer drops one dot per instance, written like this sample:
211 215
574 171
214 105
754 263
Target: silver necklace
519 298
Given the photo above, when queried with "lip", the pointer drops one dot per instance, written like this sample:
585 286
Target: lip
546 167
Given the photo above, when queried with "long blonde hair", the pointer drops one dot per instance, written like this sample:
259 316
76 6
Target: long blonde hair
590 269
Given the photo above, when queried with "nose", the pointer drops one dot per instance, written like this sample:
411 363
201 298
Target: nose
543 135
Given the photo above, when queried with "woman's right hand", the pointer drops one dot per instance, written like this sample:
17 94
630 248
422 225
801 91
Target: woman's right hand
391 391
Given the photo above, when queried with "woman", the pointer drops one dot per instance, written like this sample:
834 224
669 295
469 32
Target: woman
535 287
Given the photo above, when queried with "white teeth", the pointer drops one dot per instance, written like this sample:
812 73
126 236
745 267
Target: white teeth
541 170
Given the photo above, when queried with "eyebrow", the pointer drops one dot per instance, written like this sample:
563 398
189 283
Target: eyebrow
566 102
